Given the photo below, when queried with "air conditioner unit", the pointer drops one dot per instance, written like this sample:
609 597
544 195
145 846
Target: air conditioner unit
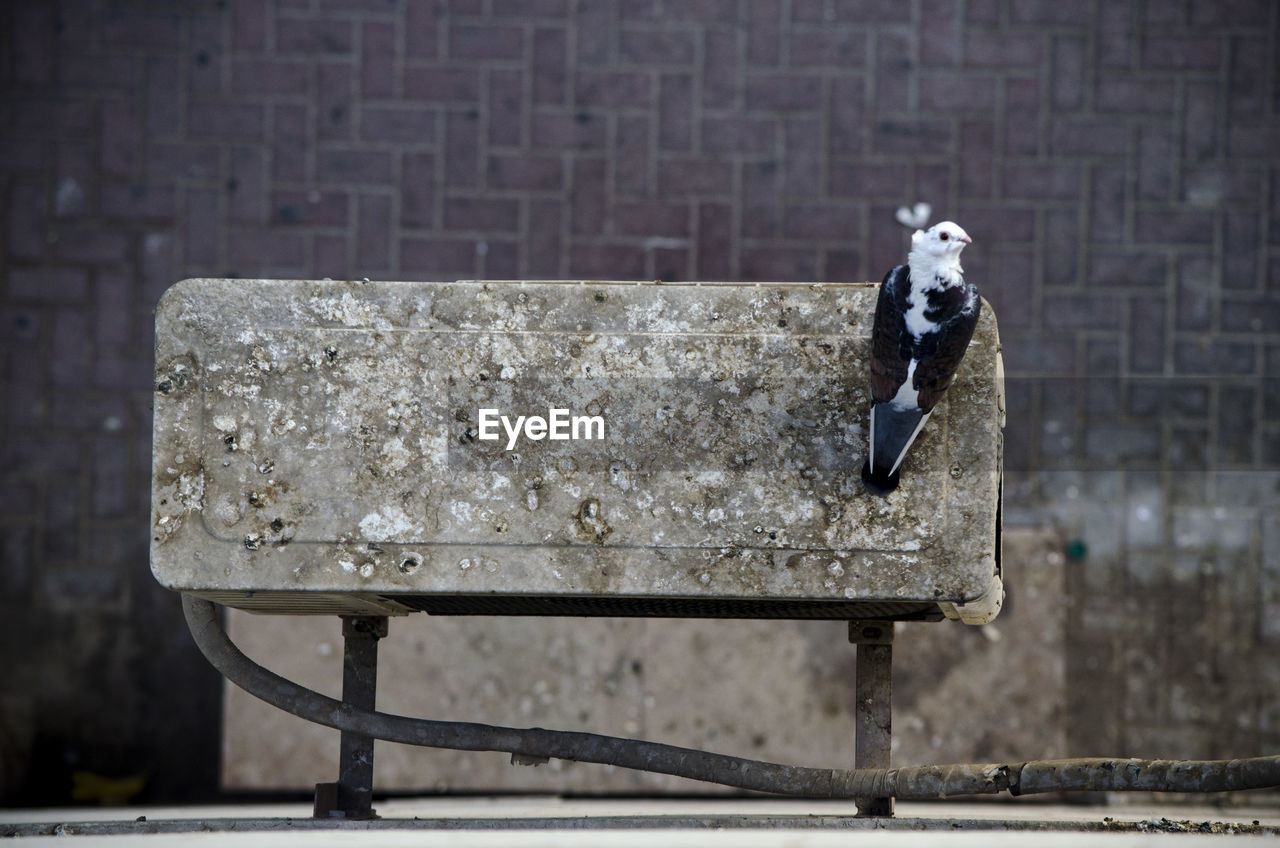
567 448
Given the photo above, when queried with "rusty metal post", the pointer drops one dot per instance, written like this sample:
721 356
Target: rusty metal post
352 796
873 708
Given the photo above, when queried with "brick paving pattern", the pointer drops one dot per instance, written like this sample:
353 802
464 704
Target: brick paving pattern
1118 164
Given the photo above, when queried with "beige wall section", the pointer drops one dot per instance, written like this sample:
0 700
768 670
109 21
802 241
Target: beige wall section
765 689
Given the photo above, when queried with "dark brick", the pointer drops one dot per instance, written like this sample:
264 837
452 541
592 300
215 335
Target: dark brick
848 114
779 264
202 228
1008 287
1022 101
865 180
483 214
836 48
1199 134
1089 137
590 261
721 69
1237 425
76 243
803 157
1174 227
435 84
1251 315
632 158
1135 96
675 112
588 196
1127 269
313 209
1042 180
1229 13
1181 52
684 176
760 193
894 74
528 173
462 149
596 32
949 92
783 92
241 122
940 40
750 136
313 36
871 11
822 223
543 246
705 11
995 49
353 166
249 24
468 43
1205 356
437 259
612 89
1083 311
138 201
921 136
714 245
257 76
377 59
506 108
977 159
418 190
267 250
1195 294
246 186
1031 353
396 125
1116 36
1241 253
531 8
373 233
656 47
329 258
579 131
141 29
1146 334
550 50
652 218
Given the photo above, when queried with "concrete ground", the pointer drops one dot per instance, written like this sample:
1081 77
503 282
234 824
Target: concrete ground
527 820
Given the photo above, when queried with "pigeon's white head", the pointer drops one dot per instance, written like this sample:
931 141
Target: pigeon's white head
935 252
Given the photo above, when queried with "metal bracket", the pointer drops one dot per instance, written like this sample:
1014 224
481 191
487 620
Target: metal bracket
873 704
352 796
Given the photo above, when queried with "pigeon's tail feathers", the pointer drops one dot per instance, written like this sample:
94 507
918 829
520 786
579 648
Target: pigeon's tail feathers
892 431
878 484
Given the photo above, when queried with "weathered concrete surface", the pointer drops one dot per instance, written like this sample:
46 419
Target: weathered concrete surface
773 690
323 437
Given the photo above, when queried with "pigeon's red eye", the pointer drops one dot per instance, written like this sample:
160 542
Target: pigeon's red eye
944 236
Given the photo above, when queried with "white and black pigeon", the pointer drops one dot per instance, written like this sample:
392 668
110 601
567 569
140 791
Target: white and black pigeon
925 317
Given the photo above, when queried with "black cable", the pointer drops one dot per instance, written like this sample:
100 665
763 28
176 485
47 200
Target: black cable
537 744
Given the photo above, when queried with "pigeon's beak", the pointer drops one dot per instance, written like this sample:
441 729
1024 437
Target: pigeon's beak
966 239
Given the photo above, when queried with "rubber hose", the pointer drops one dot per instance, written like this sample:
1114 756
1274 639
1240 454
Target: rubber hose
537 744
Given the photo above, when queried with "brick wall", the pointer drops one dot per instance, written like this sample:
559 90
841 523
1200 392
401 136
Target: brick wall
1117 163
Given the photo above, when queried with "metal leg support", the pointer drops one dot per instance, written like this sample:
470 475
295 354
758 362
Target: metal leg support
873 710
352 796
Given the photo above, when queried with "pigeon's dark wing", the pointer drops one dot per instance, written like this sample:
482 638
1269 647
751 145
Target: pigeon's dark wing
889 358
940 353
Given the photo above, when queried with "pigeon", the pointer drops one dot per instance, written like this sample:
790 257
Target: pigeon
925 316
